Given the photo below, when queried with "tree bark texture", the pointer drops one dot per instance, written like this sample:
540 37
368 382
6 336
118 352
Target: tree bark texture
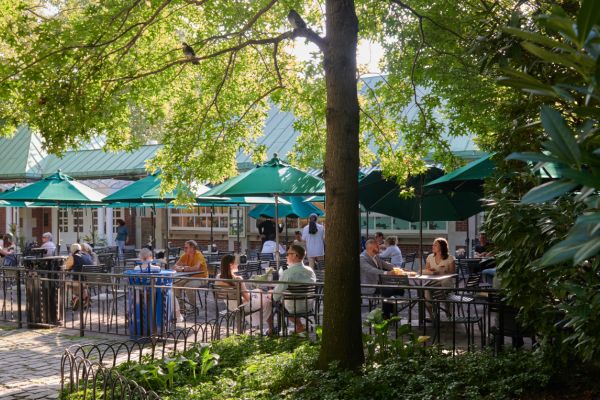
342 332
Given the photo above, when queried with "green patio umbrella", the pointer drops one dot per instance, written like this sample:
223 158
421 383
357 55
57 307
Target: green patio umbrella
298 208
57 189
147 190
383 196
241 201
272 179
468 177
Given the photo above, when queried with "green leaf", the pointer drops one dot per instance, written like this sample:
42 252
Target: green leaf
589 15
561 252
537 38
581 177
587 250
547 191
555 126
529 156
552 57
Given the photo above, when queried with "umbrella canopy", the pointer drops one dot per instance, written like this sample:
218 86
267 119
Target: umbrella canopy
243 201
147 190
57 188
298 208
272 178
468 177
383 196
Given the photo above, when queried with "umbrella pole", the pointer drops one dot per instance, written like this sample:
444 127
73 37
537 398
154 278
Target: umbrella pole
287 239
237 228
77 225
367 224
153 244
212 213
421 228
277 231
167 239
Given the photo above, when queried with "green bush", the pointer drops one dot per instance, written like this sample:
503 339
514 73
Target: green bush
257 368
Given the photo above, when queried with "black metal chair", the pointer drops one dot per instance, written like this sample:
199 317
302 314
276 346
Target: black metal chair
299 301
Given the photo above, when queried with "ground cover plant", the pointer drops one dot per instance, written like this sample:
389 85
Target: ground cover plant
244 367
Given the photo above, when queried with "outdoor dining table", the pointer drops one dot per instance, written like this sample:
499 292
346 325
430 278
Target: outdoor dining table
423 282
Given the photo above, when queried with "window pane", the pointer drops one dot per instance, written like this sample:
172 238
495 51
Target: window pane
384 223
400 224
175 221
188 221
223 222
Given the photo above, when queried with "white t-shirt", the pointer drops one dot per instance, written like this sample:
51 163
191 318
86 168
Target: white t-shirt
269 247
315 243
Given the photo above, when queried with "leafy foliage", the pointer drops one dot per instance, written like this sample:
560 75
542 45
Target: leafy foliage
256 368
548 244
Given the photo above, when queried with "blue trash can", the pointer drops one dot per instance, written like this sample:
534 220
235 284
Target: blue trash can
149 303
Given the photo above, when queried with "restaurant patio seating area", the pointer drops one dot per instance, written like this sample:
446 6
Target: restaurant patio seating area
460 318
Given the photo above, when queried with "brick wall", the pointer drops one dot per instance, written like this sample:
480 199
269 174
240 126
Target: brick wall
37 215
3 219
462 226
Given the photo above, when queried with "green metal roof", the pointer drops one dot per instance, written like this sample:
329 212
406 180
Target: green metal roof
96 164
21 155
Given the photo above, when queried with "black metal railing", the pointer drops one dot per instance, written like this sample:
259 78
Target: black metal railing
459 318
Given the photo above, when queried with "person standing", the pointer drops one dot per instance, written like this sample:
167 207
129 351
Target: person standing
314 236
266 228
122 234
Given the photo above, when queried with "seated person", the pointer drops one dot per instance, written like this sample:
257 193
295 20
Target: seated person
392 251
371 266
78 260
8 251
48 245
484 248
439 262
87 249
146 260
379 238
256 305
298 239
296 272
192 260
270 245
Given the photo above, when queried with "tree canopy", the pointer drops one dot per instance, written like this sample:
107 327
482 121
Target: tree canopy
200 76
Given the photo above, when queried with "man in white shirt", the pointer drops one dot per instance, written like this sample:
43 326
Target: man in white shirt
48 244
296 272
314 236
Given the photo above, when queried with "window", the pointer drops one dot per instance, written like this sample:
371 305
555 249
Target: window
95 217
118 213
378 222
200 218
78 220
63 220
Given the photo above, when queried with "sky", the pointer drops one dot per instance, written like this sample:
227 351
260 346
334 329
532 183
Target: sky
369 53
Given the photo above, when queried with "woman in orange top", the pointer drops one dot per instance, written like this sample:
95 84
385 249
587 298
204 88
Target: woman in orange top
191 261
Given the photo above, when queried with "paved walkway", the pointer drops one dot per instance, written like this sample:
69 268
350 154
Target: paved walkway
30 360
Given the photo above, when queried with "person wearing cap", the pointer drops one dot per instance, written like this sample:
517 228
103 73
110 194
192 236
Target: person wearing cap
48 245
314 236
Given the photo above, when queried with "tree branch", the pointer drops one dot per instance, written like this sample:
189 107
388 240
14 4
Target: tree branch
421 17
251 42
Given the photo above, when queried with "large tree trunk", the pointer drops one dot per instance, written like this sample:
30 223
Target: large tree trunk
342 338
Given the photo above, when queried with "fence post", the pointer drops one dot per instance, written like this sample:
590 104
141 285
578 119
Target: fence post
19 300
81 316
238 317
152 315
